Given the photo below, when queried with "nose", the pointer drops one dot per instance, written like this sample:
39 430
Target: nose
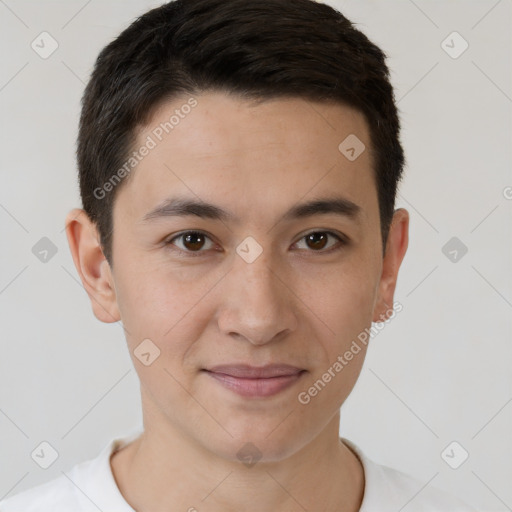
257 304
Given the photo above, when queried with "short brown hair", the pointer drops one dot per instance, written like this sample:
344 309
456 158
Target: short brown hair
254 50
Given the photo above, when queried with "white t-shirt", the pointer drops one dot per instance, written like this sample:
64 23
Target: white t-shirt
90 486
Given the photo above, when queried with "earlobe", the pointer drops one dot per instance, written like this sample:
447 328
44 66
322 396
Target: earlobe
396 247
92 266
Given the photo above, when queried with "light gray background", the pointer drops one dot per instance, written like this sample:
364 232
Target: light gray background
439 372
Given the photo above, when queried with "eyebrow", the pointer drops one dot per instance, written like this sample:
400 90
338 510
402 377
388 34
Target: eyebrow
180 207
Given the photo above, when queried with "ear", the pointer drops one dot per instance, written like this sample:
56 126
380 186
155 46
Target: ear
396 247
92 266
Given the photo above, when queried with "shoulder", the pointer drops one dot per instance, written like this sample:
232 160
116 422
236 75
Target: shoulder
88 486
57 495
387 489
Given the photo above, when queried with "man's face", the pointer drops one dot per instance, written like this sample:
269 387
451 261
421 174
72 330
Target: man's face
213 299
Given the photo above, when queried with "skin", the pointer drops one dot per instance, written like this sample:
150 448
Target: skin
297 303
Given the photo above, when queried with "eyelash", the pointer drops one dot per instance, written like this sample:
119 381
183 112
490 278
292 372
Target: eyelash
342 241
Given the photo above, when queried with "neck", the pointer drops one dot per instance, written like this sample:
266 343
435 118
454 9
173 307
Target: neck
164 468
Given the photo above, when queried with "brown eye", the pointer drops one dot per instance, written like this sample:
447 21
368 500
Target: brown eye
316 240
191 242
194 241
319 241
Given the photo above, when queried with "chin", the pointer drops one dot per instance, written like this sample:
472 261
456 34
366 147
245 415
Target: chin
263 442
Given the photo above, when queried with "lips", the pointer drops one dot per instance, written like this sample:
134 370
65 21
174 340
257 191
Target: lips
245 371
255 382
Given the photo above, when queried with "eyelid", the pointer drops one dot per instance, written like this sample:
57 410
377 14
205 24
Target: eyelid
341 238
169 242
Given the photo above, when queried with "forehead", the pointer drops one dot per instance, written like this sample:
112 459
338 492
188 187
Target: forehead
252 157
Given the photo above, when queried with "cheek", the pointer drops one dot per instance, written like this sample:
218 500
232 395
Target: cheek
344 304
354 311
159 306
144 303
343 297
